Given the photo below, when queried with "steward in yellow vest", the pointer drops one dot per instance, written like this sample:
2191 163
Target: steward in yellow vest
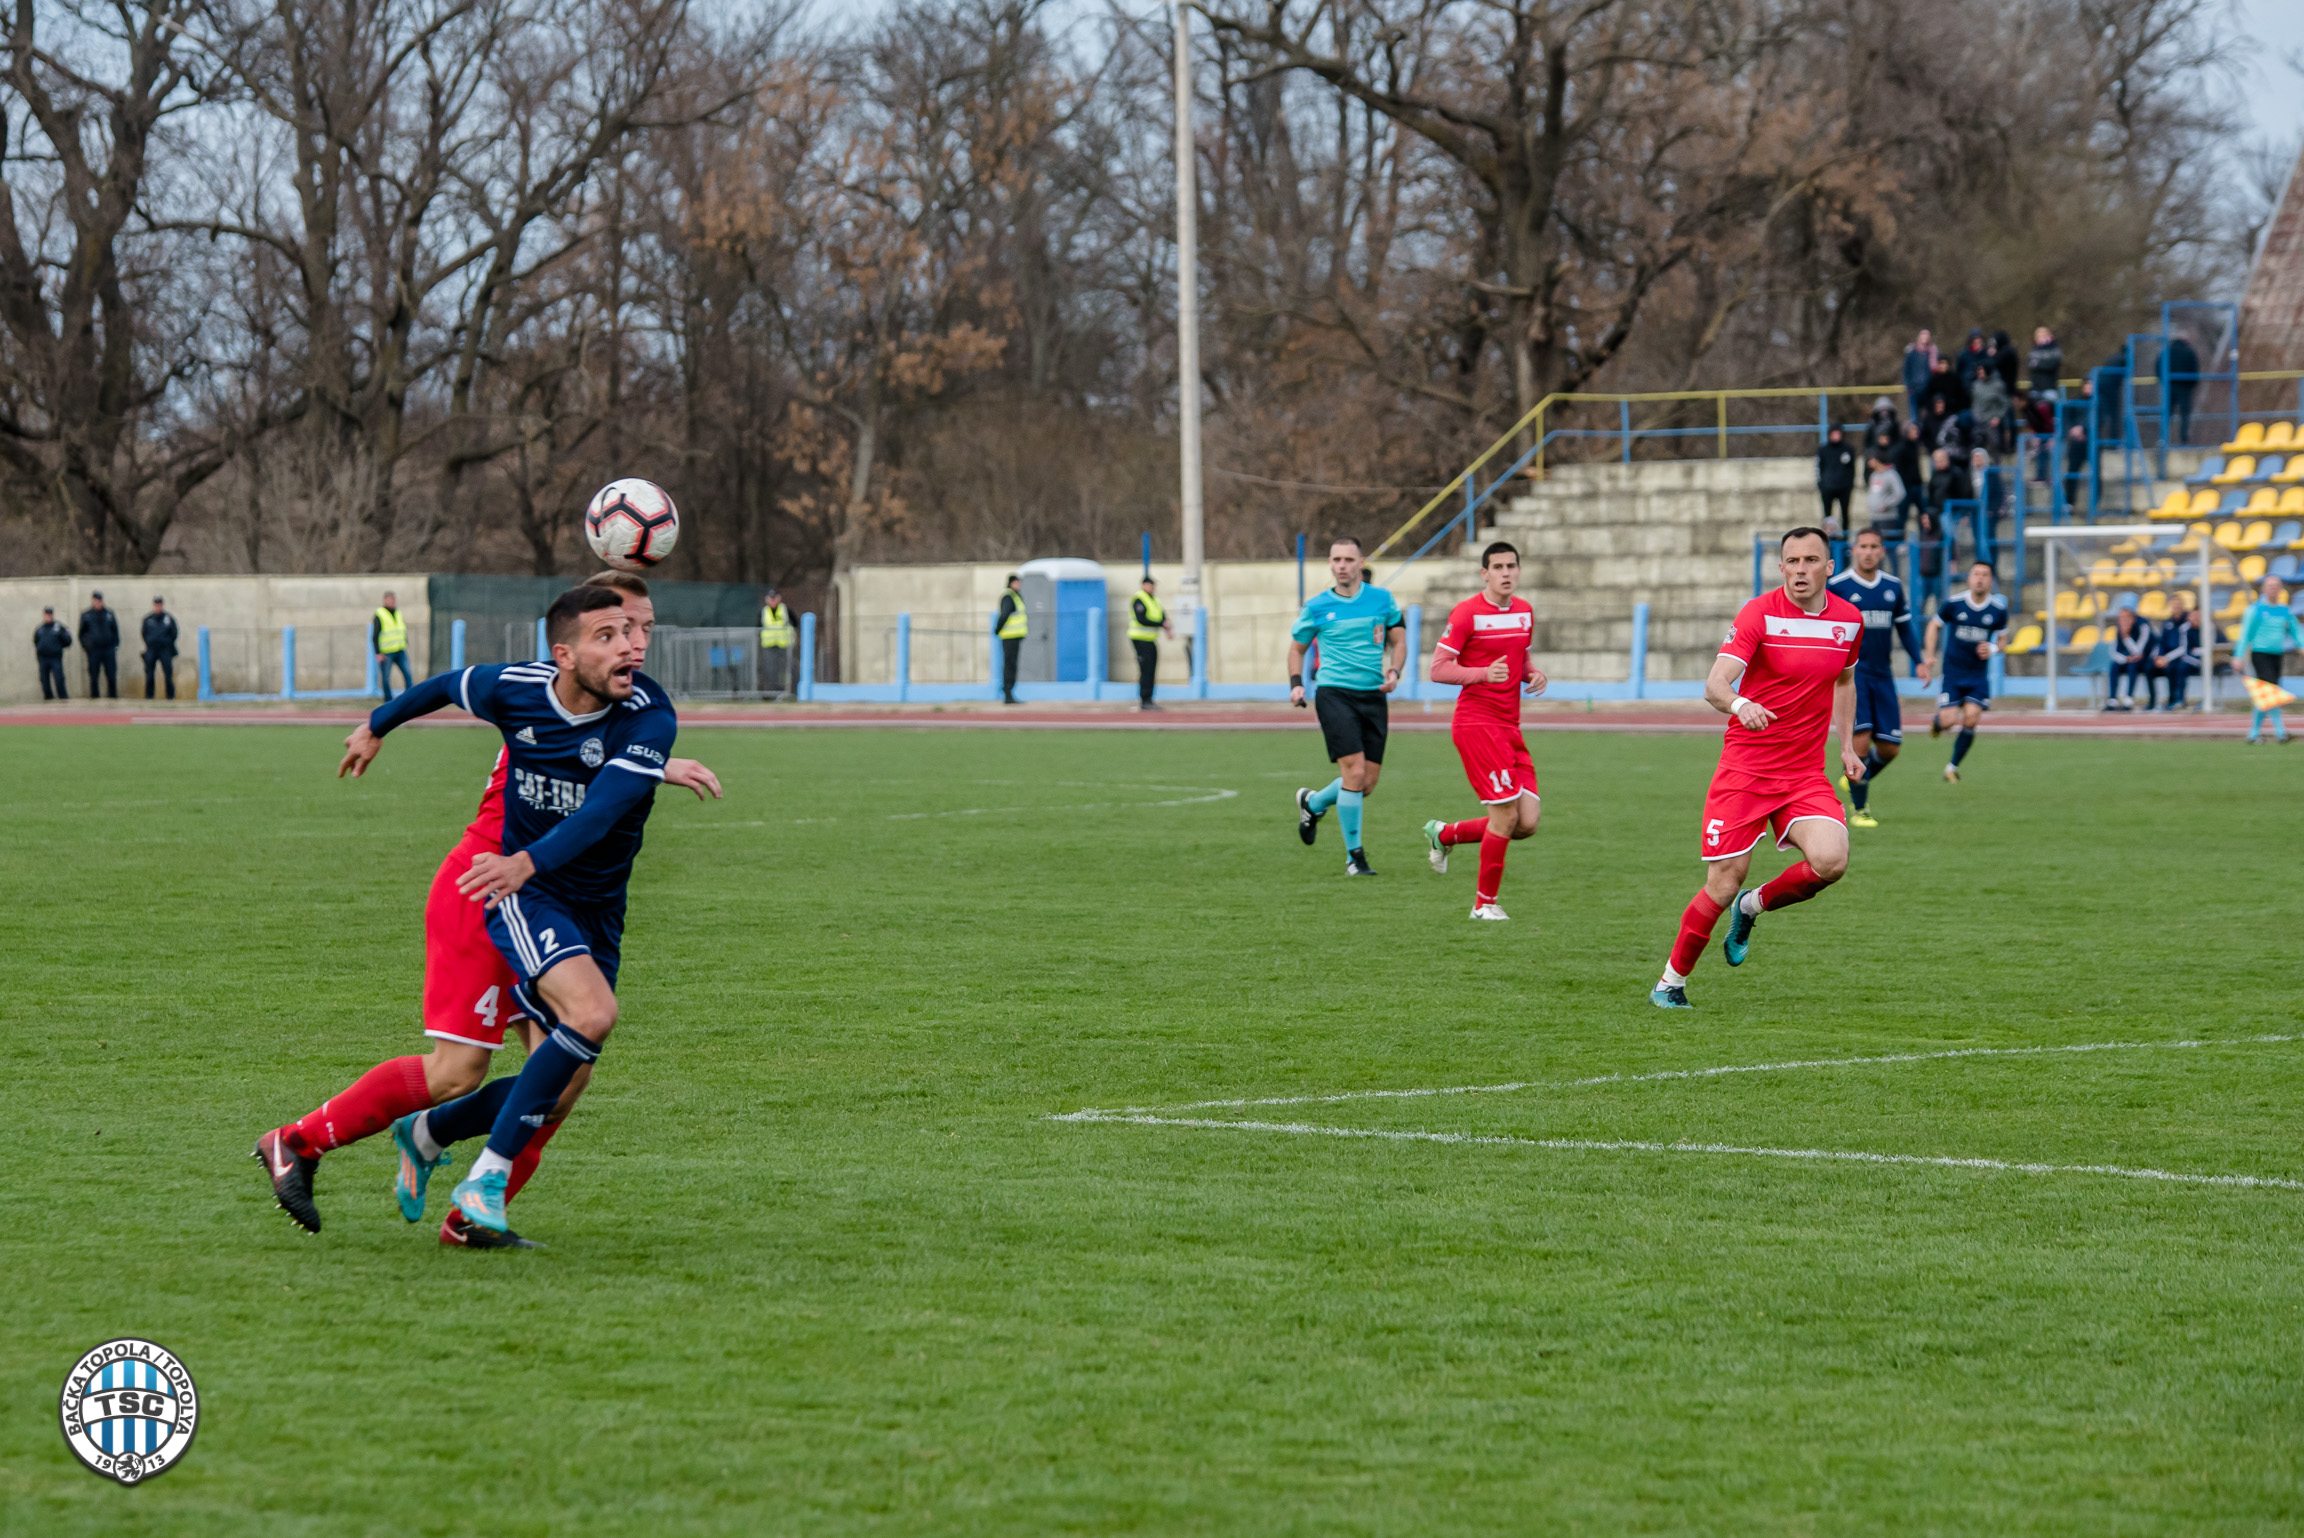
388 640
776 631
1009 625
1147 622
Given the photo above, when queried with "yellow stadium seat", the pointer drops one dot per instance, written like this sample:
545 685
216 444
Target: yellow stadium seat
2252 569
2262 500
2206 501
2177 503
2291 472
2226 532
2240 469
2102 571
2084 638
2221 572
2067 605
2249 439
2125 547
2130 574
2292 500
2234 606
2186 597
2280 435
2027 638
2258 532
2153 605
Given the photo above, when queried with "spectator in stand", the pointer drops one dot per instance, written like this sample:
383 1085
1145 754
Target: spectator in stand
2267 634
2004 360
1992 409
1883 494
1908 456
100 644
2179 376
50 641
1835 477
2177 657
1928 557
1884 418
160 646
1920 360
2110 388
1943 384
1975 360
2075 461
2044 364
2132 643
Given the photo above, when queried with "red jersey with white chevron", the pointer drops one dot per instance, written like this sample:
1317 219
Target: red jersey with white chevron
488 822
1791 661
1479 634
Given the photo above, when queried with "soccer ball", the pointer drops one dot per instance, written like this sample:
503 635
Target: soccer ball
631 524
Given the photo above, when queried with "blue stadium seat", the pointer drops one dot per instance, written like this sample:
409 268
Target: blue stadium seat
2210 468
2284 567
2267 467
2288 533
2235 501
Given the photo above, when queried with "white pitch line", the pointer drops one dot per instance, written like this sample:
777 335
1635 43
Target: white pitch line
1591 1145
1094 1113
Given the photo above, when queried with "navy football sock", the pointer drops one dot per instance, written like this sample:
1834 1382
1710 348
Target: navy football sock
1962 743
537 1090
471 1115
1860 790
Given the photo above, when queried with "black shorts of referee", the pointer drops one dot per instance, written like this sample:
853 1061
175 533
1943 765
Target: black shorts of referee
1353 721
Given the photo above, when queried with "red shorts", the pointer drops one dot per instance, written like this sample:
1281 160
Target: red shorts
467 986
1496 760
1739 810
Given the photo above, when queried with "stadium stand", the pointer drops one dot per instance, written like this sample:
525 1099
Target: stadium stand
2247 440
2210 468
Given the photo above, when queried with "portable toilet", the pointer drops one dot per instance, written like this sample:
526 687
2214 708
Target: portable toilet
1060 592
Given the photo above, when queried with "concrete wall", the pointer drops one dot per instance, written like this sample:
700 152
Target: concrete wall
244 616
1251 605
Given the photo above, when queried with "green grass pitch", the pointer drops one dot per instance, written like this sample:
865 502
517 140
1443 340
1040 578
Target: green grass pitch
820 1263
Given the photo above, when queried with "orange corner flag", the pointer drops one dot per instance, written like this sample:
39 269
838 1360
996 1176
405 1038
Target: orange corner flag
2264 696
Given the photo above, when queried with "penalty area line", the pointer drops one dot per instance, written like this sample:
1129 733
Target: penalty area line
1668 1075
1732 1150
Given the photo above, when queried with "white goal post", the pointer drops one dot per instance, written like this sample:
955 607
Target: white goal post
2200 562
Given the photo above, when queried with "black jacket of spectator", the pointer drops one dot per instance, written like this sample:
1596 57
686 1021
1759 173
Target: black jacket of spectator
2179 642
2004 359
2137 644
1945 386
51 640
1973 360
1950 484
1904 454
2045 365
2177 364
1836 466
160 637
99 630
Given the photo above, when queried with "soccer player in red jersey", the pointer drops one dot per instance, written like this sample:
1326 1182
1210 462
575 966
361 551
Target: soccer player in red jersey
468 1006
1484 651
1784 678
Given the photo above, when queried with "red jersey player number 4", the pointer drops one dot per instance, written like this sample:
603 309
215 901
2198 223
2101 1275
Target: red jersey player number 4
1785 678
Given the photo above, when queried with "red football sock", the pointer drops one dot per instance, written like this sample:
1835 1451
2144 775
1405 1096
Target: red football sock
1492 847
1796 885
378 1098
1695 932
525 1165
1470 831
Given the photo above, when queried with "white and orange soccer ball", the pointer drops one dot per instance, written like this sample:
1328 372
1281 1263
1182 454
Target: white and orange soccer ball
631 524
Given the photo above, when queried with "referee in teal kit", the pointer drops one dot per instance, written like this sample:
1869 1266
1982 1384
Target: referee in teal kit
1363 640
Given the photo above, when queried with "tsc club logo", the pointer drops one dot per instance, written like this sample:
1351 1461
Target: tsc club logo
594 753
129 1410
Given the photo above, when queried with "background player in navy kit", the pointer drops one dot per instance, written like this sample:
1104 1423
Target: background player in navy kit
587 738
1967 622
1879 597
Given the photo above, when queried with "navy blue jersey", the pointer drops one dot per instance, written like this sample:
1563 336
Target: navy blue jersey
1969 624
1886 613
577 788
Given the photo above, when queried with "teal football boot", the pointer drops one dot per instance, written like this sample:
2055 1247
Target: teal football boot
481 1199
1738 944
415 1169
1664 996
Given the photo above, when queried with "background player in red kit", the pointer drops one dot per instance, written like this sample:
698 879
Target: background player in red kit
1484 651
1785 677
468 1003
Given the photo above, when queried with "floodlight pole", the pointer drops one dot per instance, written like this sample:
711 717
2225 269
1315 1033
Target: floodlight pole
1187 327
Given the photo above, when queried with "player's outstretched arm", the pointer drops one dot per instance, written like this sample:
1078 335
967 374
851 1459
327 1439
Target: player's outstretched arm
361 748
691 775
1447 670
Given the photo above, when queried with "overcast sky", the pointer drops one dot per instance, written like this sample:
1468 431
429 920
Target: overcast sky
2273 92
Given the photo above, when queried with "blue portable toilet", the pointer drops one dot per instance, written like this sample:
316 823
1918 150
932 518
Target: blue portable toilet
1060 592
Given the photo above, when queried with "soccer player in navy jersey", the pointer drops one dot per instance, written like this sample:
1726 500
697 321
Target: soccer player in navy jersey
586 738
1879 597
1966 623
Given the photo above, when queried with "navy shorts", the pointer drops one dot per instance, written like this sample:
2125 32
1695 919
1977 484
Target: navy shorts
1876 709
1967 689
535 931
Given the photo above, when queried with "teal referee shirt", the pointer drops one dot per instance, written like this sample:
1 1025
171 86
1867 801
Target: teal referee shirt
1351 635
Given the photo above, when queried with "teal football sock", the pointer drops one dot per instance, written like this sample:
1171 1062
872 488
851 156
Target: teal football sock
1325 796
1348 816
